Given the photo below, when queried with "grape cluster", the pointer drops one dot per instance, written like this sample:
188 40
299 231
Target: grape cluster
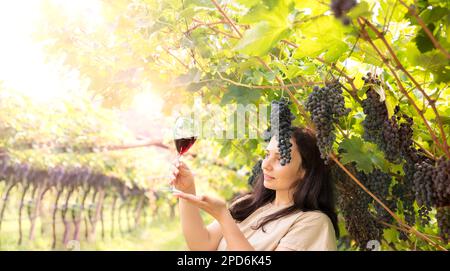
353 203
391 140
406 134
424 215
341 7
392 135
267 135
378 182
405 192
443 220
441 182
256 171
375 110
423 184
423 189
326 106
281 119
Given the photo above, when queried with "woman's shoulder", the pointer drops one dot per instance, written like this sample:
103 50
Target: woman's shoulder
313 217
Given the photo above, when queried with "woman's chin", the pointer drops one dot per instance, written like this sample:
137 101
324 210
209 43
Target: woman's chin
269 184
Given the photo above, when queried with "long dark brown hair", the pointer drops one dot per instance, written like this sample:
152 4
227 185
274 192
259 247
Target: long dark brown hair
315 192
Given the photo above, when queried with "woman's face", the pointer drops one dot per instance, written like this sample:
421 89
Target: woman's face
277 177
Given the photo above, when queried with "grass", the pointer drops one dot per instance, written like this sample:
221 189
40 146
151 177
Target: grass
156 234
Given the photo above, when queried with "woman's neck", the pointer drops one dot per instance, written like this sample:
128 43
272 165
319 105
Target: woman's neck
283 197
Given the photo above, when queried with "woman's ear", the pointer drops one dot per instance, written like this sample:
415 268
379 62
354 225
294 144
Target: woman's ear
301 173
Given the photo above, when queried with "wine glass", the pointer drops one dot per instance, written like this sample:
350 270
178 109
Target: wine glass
184 137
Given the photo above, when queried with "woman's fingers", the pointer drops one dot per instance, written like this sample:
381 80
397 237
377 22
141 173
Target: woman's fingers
176 162
197 200
174 168
185 196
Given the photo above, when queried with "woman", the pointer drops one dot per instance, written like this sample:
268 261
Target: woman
290 208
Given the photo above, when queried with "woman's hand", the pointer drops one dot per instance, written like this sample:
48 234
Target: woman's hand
214 206
182 177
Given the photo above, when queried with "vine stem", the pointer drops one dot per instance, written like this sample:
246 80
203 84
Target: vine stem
437 45
349 79
430 155
399 65
398 219
66 222
55 209
24 192
402 89
293 85
186 66
201 23
210 26
232 24
406 230
42 190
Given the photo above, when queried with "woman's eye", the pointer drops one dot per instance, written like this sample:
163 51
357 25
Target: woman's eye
267 155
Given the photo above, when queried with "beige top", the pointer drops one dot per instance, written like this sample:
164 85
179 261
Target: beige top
310 230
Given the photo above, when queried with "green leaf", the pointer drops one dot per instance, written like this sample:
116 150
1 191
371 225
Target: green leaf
391 235
199 3
248 3
258 40
312 7
193 87
193 75
446 117
241 95
364 154
270 26
361 9
423 42
396 13
435 62
314 42
434 14
275 14
391 101
226 148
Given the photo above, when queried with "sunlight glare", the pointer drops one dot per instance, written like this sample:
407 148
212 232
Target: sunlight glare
23 66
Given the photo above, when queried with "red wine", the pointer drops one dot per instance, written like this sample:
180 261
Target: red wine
184 144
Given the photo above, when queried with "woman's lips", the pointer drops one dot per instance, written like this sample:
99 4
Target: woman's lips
267 177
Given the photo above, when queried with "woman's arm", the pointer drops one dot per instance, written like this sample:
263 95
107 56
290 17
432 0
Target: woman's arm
233 236
217 208
197 236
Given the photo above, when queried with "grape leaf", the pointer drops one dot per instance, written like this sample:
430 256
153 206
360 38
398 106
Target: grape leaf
314 42
270 26
241 95
364 154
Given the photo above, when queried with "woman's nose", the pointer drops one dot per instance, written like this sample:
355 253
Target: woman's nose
266 165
